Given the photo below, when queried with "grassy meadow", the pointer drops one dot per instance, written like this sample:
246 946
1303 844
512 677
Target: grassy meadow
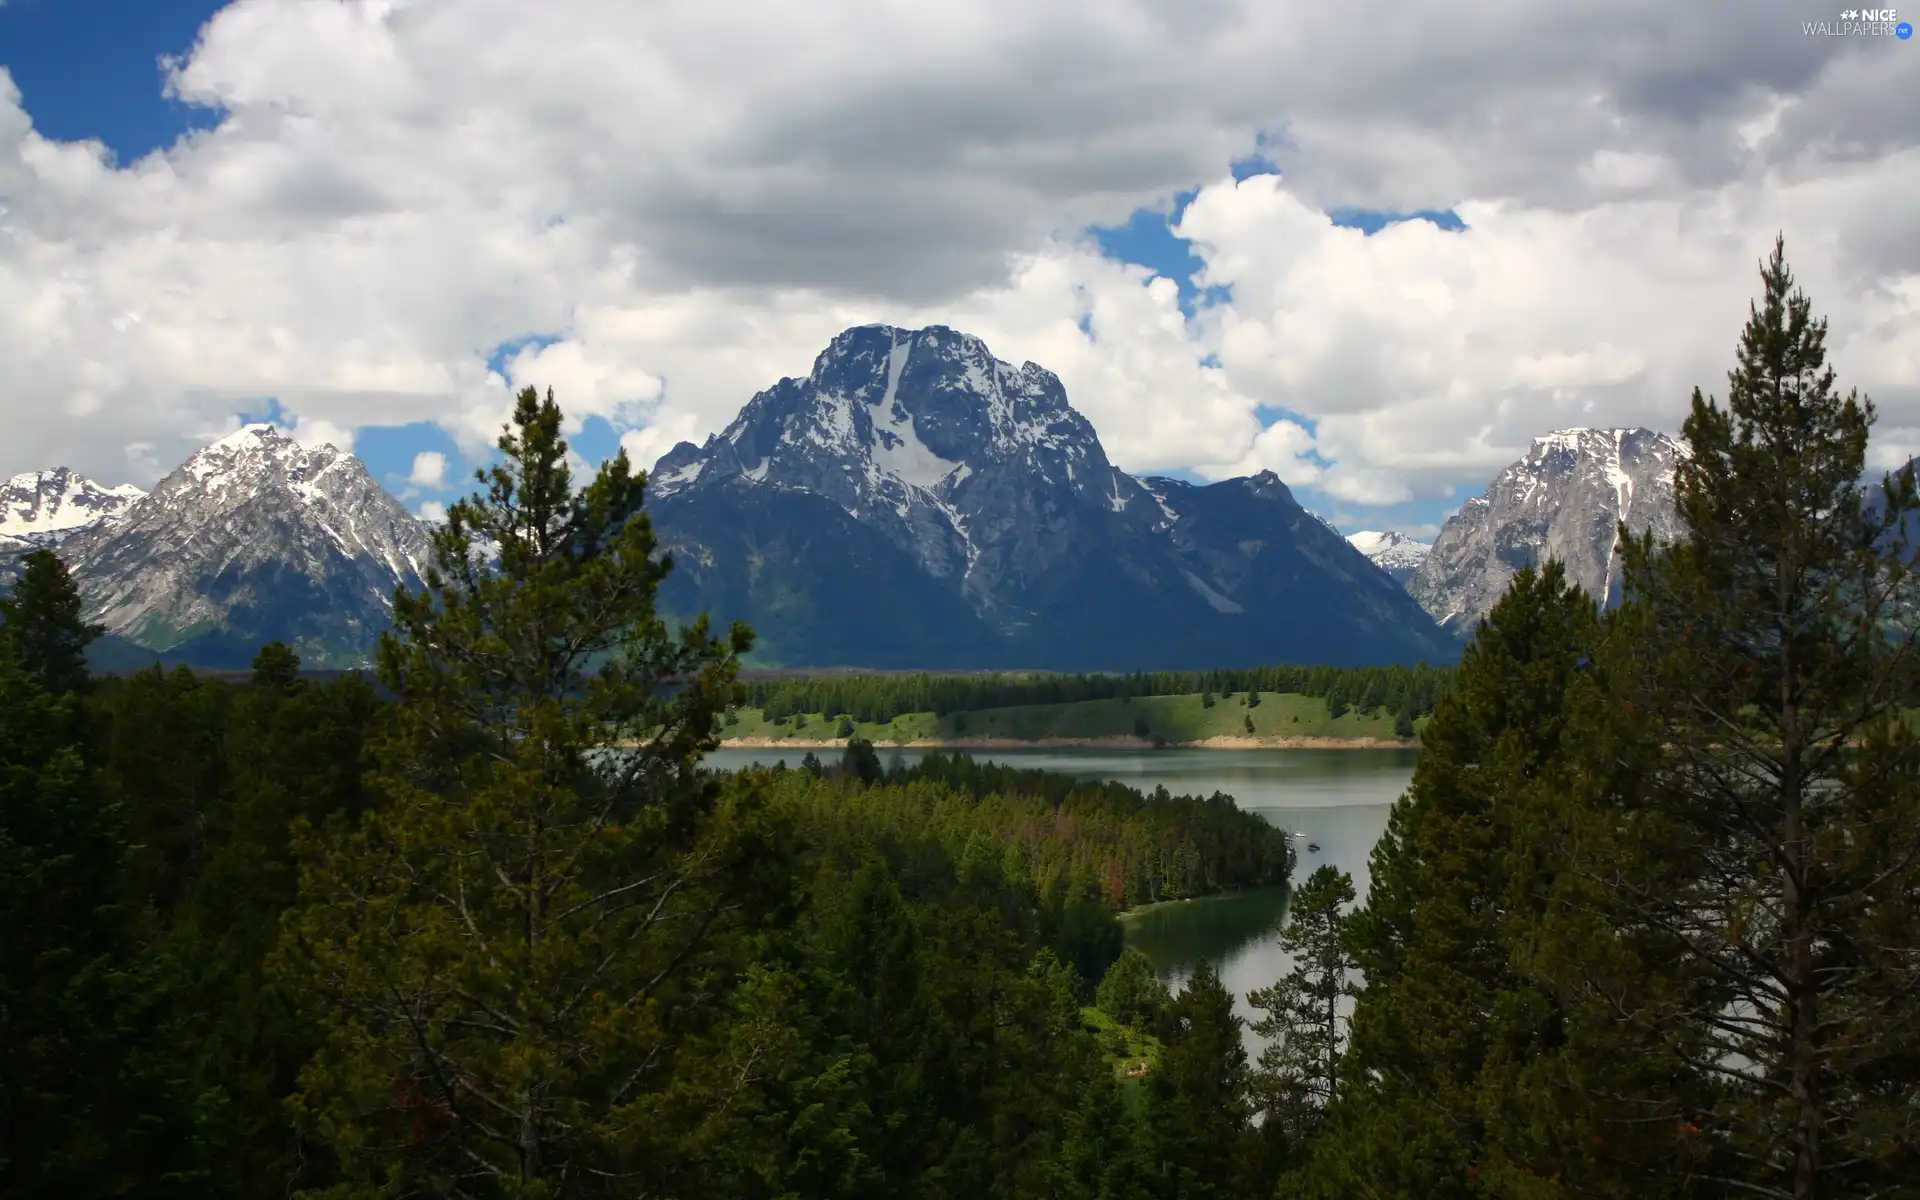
1167 719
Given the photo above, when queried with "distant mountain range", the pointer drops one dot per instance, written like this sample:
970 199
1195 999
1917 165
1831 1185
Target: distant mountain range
913 502
45 508
1395 553
252 539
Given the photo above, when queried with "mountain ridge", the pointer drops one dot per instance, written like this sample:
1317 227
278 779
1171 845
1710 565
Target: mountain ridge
981 495
253 538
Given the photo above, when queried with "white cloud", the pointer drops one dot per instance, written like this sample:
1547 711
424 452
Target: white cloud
318 431
433 511
696 197
429 470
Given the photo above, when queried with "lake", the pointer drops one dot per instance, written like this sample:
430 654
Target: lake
1338 798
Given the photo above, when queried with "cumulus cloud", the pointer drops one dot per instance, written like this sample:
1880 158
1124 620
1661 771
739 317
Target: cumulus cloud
432 510
429 470
693 198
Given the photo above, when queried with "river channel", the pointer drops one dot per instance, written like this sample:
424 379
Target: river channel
1339 799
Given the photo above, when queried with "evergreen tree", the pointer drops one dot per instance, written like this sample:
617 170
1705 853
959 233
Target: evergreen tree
1761 876
861 761
1131 993
1304 1025
41 619
1197 1109
276 665
86 1109
513 960
1458 883
1100 1156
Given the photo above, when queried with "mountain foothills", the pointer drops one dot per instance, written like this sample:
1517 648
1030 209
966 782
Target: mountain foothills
916 502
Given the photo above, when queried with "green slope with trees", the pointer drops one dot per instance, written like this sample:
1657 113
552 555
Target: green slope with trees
1162 719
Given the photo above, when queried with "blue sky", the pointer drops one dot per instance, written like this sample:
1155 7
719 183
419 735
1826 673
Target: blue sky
93 69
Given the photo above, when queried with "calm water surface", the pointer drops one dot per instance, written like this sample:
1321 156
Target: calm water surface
1338 798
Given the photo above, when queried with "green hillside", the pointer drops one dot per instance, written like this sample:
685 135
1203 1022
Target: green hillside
1151 718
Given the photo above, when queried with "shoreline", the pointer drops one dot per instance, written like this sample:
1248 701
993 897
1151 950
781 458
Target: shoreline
1141 909
1116 742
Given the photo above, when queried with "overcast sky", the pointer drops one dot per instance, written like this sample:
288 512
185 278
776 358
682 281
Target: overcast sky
372 219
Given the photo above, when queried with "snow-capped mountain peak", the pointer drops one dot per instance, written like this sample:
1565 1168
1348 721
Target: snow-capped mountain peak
44 508
915 431
256 537
1564 499
972 513
1393 552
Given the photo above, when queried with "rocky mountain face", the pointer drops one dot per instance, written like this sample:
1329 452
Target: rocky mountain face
253 539
915 502
1563 500
1395 553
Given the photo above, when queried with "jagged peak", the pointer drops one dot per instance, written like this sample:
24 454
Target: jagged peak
254 447
249 435
64 478
1378 541
1581 439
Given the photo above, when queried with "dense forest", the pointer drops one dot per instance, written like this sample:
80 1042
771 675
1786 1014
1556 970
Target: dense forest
426 935
1098 839
1405 692
1645 924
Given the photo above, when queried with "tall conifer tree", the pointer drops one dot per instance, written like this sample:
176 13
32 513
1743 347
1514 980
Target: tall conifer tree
42 619
509 957
1305 1024
1761 876
1197 1111
1452 892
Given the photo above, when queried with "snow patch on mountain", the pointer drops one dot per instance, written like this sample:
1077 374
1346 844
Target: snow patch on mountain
1393 552
44 508
1564 499
899 452
253 538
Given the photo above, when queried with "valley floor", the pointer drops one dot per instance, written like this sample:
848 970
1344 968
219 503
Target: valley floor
1279 721
1100 743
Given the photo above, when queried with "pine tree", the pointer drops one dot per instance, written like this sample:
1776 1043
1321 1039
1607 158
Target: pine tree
1130 992
86 1108
1305 1027
276 666
1197 1109
861 761
1457 881
42 621
511 960
1762 873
